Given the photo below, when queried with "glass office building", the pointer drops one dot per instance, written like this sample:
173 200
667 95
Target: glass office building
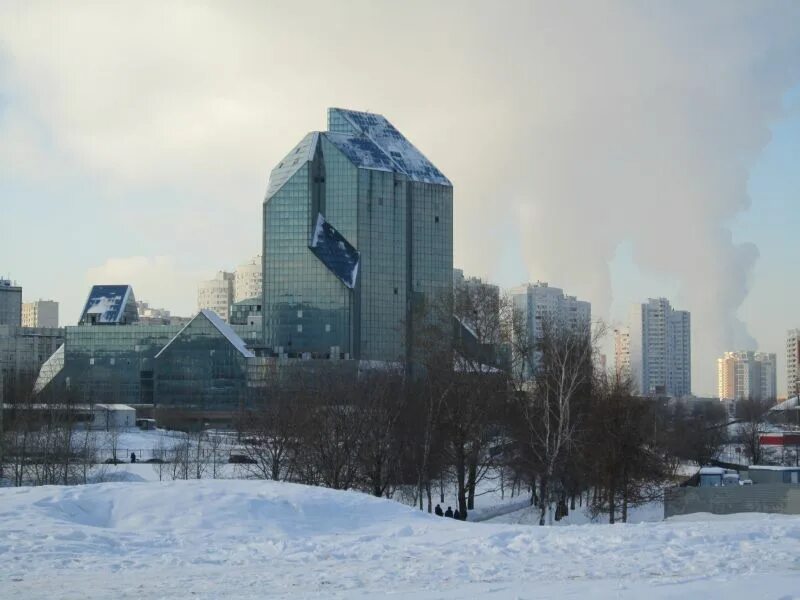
358 230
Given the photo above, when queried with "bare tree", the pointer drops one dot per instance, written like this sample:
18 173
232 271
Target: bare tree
752 415
379 398
626 469
180 459
549 404
268 434
160 456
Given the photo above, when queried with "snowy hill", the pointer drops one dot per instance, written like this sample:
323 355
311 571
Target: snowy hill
247 539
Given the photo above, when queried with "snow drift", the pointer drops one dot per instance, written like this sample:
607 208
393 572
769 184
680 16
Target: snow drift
249 539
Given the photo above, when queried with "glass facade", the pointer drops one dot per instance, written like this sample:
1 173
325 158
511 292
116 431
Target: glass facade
202 368
203 365
113 364
243 311
390 205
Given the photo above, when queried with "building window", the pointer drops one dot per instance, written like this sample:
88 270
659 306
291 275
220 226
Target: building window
299 329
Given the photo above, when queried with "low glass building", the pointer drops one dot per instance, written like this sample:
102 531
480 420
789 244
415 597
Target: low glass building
203 365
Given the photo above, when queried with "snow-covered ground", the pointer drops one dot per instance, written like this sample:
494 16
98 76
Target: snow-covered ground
255 539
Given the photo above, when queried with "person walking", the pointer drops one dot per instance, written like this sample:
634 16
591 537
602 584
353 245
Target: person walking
133 457
438 511
448 512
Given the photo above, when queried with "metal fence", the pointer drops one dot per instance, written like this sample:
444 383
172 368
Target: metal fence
726 500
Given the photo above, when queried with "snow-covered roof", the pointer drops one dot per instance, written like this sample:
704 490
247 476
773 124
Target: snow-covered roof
292 162
361 151
403 154
116 407
771 468
712 471
221 326
107 305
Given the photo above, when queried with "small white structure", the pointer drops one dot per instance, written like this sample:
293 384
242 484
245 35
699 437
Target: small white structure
113 416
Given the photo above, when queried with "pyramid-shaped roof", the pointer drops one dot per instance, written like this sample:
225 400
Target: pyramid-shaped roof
221 326
377 128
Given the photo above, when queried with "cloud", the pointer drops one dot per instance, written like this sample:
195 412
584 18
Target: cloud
571 128
157 280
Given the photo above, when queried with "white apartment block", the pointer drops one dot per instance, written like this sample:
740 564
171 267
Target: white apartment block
217 294
538 303
660 357
622 353
149 315
746 375
247 280
793 363
40 313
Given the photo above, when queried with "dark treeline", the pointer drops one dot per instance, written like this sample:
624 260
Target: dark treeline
548 423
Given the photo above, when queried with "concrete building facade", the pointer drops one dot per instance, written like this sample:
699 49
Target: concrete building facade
538 304
622 353
247 280
158 316
10 303
217 294
746 375
40 313
793 363
660 355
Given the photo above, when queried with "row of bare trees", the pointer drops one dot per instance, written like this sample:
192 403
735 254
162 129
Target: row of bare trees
43 444
542 416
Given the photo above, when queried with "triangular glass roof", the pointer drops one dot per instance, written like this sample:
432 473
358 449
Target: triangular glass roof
297 157
221 326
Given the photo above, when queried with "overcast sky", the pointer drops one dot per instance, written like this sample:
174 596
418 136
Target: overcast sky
617 150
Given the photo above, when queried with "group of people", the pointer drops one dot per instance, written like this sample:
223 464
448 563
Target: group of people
449 513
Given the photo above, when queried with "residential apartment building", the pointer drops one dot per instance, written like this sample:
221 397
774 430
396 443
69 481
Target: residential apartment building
659 344
40 313
793 363
217 294
247 280
158 316
747 375
622 353
537 305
